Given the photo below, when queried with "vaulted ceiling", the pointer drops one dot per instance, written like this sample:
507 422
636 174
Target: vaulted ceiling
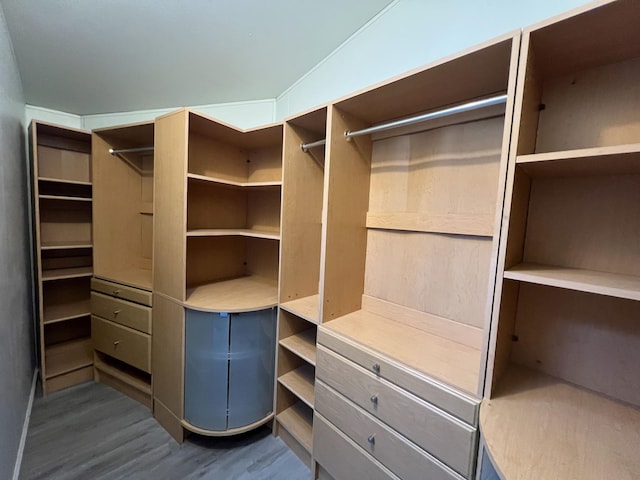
100 56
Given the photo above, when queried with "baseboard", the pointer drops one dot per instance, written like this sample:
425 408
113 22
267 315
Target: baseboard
25 427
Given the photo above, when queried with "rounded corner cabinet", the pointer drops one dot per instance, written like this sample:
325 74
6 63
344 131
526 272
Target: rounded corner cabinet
229 370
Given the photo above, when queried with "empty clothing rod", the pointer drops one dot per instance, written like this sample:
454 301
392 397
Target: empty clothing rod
306 146
465 107
130 150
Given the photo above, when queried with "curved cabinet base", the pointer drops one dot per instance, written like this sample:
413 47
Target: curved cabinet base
227 433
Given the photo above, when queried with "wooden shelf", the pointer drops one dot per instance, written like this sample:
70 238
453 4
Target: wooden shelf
66 311
132 276
135 381
537 426
602 283
222 181
241 232
64 245
64 198
306 307
437 357
302 344
300 382
63 181
481 225
237 295
68 356
64 273
298 421
615 160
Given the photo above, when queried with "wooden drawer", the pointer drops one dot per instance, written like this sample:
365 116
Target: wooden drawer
121 291
123 343
442 435
119 311
392 450
342 458
463 406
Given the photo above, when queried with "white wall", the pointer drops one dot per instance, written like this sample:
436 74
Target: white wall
408 34
52 116
16 308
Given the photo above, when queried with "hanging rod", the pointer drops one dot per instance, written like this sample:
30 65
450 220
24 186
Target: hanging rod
306 146
130 150
465 107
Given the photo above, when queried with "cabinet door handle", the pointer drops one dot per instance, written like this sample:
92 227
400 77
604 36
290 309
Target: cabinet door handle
374 399
376 367
116 292
372 439
116 312
116 343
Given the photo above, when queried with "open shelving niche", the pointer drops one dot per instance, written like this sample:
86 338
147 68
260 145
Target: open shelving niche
564 346
62 190
123 194
299 314
123 231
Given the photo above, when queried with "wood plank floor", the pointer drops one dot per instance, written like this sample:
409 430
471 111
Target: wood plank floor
91 431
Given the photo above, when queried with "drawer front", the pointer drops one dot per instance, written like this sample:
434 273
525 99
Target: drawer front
392 450
123 343
342 458
121 291
442 435
119 311
463 406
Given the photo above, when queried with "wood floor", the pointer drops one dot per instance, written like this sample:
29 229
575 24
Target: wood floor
93 432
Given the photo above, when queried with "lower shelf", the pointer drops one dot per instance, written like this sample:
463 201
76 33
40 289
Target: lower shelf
297 420
242 294
66 357
306 307
537 426
124 378
300 382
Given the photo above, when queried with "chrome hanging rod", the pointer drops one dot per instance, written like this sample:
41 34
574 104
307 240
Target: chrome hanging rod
130 150
465 107
306 146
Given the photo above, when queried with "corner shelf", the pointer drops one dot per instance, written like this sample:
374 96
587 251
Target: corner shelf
64 198
222 181
300 382
68 356
67 311
239 232
63 181
65 245
236 295
298 421
66 273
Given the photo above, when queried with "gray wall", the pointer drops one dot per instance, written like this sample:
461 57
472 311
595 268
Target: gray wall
16 317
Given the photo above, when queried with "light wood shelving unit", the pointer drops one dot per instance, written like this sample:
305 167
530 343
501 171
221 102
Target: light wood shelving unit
124 205
303 187
217 238
563 393
62 192
123 256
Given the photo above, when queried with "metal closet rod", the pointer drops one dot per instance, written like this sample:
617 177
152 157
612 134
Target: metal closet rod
130 150
307 146
445 112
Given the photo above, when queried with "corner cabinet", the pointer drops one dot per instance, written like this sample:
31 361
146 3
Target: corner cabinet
216 261
121 298
62 191
563 390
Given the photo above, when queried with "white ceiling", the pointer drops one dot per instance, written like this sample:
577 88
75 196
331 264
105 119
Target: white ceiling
101 56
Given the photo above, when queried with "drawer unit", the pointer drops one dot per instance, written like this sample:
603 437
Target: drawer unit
121 291
442 435
341 457
391 449
454 402
123 343
123 312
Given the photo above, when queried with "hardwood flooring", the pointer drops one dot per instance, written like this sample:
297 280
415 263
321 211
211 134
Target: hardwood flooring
91 431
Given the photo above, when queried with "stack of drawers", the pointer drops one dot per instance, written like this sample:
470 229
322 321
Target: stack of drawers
375 418
121 333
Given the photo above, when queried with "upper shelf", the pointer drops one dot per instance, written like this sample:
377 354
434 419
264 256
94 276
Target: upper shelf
223 181
613 160
240 232
602 283
306 307
244 294
537 426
